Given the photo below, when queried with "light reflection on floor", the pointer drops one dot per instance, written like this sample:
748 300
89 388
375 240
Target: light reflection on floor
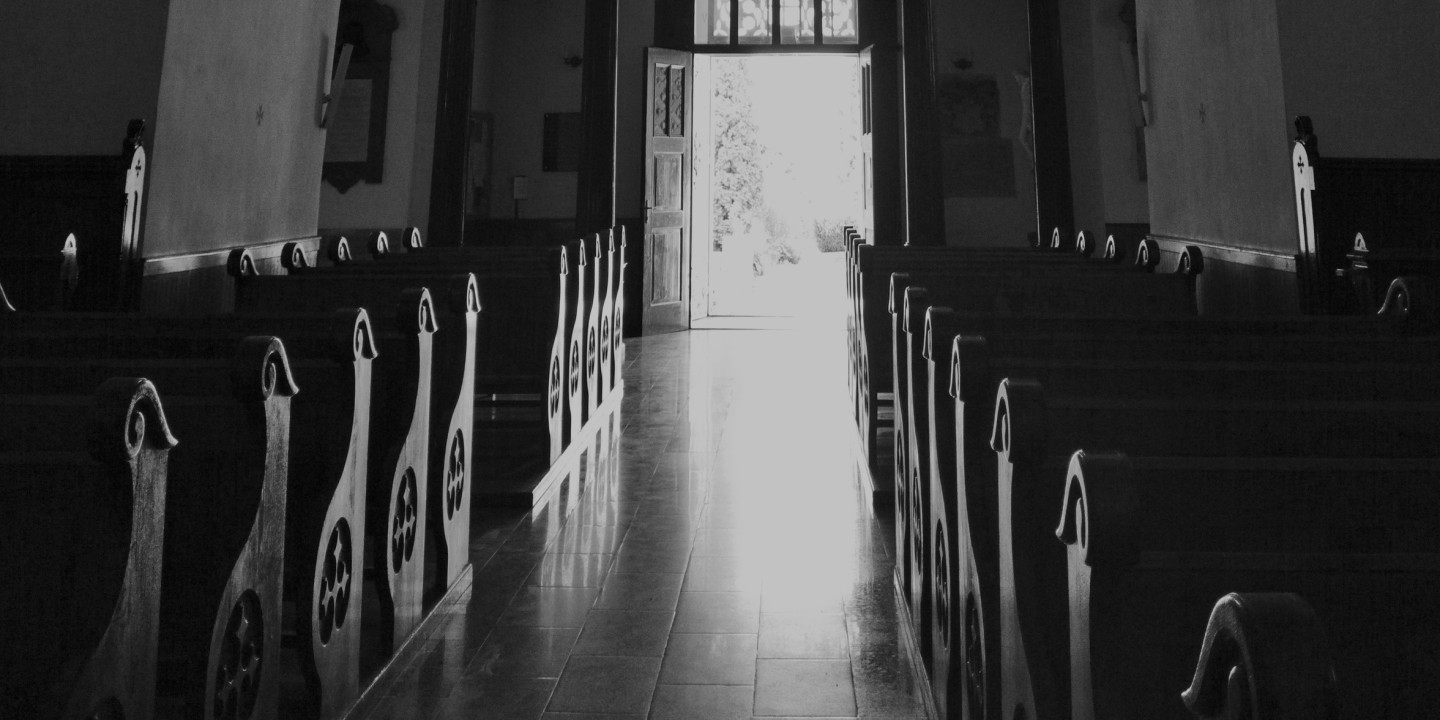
717 562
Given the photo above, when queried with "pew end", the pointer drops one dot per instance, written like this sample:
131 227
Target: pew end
1264 655
95 528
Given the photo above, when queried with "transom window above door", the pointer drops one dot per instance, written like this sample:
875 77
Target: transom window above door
776 22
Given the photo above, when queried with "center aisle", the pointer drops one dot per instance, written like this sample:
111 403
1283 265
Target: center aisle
718 561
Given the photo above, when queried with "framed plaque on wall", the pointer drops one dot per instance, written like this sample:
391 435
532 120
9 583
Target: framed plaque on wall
355 137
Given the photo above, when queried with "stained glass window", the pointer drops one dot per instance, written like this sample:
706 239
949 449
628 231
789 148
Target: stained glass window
841 21
797 22
712 22
756 22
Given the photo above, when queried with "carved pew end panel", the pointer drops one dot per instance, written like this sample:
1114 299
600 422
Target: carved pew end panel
90 582
243 672
1413 299
399 471
329 469
1263 655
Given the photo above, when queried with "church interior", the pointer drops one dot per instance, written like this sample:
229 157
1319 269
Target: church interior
358 361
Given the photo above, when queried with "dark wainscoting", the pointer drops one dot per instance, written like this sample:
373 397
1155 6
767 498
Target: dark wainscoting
1236 281
200 283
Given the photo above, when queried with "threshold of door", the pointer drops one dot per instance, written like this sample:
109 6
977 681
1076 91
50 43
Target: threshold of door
767 322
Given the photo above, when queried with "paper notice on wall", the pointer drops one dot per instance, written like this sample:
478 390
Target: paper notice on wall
348 137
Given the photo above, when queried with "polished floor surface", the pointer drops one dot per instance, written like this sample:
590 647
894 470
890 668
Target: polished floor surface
716 561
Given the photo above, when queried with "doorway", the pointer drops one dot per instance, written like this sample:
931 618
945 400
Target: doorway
778 176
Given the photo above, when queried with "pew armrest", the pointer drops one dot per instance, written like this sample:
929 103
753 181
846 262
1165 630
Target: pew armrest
1264 656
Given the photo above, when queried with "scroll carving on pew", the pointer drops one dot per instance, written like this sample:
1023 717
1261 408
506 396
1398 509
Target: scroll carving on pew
1084 244
1147 255
95 526
406 239
337 250
5 306
410 239
1113 252
241 264
1192 261
1264 655
293 257
1412 298
377 244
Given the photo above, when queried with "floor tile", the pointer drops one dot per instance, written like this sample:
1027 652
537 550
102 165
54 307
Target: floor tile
703 702
497 699
718 612
641 591
804 688
884 685
550 607
658 557
709 659
571 570
803 635
708 573
606 684
589 539
631 633
591 716
529 652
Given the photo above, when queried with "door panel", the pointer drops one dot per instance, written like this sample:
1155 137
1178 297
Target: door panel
665 267
867 147
667 191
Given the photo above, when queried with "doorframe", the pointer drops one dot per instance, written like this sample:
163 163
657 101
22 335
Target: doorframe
701 229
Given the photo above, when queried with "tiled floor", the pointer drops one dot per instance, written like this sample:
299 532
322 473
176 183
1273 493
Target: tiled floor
718 562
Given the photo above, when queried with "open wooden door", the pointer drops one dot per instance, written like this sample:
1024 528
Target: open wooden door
867 146
668 93
702 198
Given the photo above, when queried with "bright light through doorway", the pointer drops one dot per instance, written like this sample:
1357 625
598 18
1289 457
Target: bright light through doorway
785 180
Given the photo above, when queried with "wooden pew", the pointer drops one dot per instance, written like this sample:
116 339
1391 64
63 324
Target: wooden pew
1381 211
397 514
599 380
523 336
379 240
1151 541
452 375
331 353
1265 646
973 352
1035 433
84 560
220 609
617 336
97 199
1053 289
871 283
